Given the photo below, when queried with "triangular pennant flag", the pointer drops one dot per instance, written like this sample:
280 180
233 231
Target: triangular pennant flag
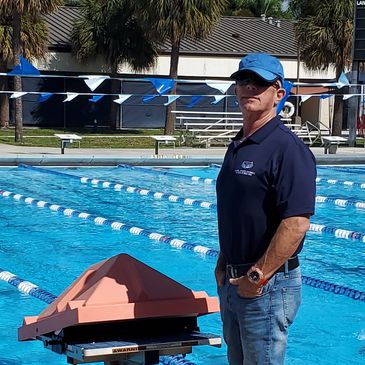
24 68
147 98
122 98
222 87
70 96
287 86
304 98
162 86
217 99
325 96
171 99
342 81
95 98
44 97
194 101
17 94
348 96
94 81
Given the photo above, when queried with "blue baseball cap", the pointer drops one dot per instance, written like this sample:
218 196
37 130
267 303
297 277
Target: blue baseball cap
265 66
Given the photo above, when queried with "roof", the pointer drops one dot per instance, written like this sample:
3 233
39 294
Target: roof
232 36
60 25
242 35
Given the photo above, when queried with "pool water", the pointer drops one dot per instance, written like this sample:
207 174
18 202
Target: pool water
50 250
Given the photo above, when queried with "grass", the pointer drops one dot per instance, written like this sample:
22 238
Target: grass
102 138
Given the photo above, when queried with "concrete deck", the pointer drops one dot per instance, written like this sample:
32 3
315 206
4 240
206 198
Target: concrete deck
15 155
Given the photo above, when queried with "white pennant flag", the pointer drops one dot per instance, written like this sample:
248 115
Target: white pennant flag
70 96
348 96
122 98
94 81
218 98
222 87
304 98
17 94
171 99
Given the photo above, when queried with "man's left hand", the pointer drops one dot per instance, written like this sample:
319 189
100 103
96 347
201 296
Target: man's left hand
245 288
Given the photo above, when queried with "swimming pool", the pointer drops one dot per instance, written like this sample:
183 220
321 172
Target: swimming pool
50 249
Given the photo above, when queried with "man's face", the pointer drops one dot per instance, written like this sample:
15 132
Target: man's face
254 94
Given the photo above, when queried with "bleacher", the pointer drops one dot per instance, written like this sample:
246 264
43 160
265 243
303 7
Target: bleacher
207 128
217 128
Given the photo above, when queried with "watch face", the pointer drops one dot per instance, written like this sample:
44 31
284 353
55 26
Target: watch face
254 276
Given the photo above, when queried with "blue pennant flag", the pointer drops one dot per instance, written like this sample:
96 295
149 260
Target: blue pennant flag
44 97
194 101
147 98
343 81
24 68
287 86
162 86
96 98
325 96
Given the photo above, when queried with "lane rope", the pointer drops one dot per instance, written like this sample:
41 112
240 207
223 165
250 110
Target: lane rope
26 287
337 232
129 189
213 181
174 198
177 243
115 225
343 169
340 182
340 202
168 173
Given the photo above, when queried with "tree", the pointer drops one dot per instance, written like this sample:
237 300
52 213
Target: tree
34 37
174 20
15 11
324 35
256 8
112 30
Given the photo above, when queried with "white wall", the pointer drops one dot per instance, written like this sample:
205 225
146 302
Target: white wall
189 66
198 67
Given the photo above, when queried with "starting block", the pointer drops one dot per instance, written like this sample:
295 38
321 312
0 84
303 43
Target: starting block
122 312
67 139
331 143
161 139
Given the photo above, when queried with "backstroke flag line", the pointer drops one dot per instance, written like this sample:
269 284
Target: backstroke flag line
122 98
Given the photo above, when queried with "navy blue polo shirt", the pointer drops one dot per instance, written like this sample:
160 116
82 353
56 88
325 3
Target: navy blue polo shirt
264 179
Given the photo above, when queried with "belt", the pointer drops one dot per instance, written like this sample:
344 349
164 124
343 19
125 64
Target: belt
236 271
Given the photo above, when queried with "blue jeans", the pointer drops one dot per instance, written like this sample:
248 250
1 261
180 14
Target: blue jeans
256 329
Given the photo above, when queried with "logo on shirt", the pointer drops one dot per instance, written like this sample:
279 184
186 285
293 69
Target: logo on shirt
246 165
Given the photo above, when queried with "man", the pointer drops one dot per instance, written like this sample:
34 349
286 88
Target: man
265 196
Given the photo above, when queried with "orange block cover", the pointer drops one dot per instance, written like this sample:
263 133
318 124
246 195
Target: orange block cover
119 288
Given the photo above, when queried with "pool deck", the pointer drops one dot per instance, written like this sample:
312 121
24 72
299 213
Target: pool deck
15 155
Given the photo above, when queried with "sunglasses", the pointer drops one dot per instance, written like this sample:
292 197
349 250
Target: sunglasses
256 81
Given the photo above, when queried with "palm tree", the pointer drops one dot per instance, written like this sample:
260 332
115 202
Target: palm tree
112 30
15 11
174 20
255 8
34 37
274 8
324 35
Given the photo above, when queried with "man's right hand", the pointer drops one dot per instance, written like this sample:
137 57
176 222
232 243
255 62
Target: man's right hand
220 276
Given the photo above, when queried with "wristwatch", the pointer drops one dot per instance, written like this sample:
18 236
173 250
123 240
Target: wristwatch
256 276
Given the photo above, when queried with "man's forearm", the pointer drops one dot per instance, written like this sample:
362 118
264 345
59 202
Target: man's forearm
221 262
284 243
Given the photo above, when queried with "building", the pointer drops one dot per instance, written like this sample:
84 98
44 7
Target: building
214 58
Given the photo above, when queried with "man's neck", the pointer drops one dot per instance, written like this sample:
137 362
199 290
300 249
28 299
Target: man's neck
252 122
